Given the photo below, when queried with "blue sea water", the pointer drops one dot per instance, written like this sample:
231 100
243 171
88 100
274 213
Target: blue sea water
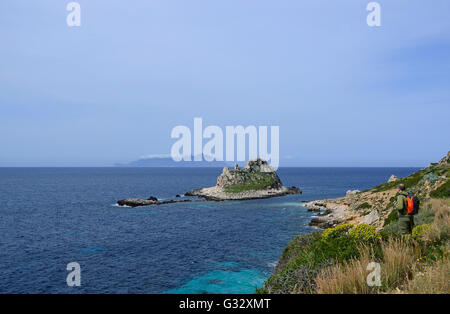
50 217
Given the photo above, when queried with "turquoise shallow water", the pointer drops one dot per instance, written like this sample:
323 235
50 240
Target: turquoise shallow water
53 216
232 279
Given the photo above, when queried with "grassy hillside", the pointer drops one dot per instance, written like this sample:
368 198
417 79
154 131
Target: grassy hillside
336 260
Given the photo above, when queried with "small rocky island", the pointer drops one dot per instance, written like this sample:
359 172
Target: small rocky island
256 180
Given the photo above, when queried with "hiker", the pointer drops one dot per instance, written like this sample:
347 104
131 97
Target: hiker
405 220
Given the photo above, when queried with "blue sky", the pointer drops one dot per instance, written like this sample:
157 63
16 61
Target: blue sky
343 93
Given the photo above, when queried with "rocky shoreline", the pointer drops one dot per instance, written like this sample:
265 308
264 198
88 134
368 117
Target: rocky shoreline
374 205
329 214
354 208
215 193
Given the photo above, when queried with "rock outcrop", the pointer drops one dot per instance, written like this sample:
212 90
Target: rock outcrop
136 202
256 180
445 161
255 172
329 214
393 178
372 218
352 192
362 207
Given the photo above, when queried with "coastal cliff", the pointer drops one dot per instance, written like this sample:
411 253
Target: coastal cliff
256 180
361 229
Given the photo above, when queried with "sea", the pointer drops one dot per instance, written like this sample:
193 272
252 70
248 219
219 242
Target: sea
50 217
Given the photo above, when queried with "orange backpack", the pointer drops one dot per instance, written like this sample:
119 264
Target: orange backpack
412 204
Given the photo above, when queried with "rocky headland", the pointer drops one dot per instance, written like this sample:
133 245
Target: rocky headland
362 227
374 206
256 180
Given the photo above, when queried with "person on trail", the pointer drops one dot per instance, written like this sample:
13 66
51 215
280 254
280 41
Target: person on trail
405 220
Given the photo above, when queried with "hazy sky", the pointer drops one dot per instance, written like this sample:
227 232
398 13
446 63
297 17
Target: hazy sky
343 93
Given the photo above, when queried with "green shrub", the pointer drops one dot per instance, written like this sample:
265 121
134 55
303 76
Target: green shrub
252 181
297 267
432 252
337 244
307 254
299 248
425 215
391 218
364 233
364 206
430 177
443 191
419 230
292 279
336 232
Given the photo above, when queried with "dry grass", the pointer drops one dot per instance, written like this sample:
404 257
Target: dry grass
397 266
434 279
347 278
441 208
399 261
400 270
440 226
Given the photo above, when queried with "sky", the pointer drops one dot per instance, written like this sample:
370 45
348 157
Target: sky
112 90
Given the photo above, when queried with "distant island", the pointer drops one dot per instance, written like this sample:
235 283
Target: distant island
167 161
256 180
